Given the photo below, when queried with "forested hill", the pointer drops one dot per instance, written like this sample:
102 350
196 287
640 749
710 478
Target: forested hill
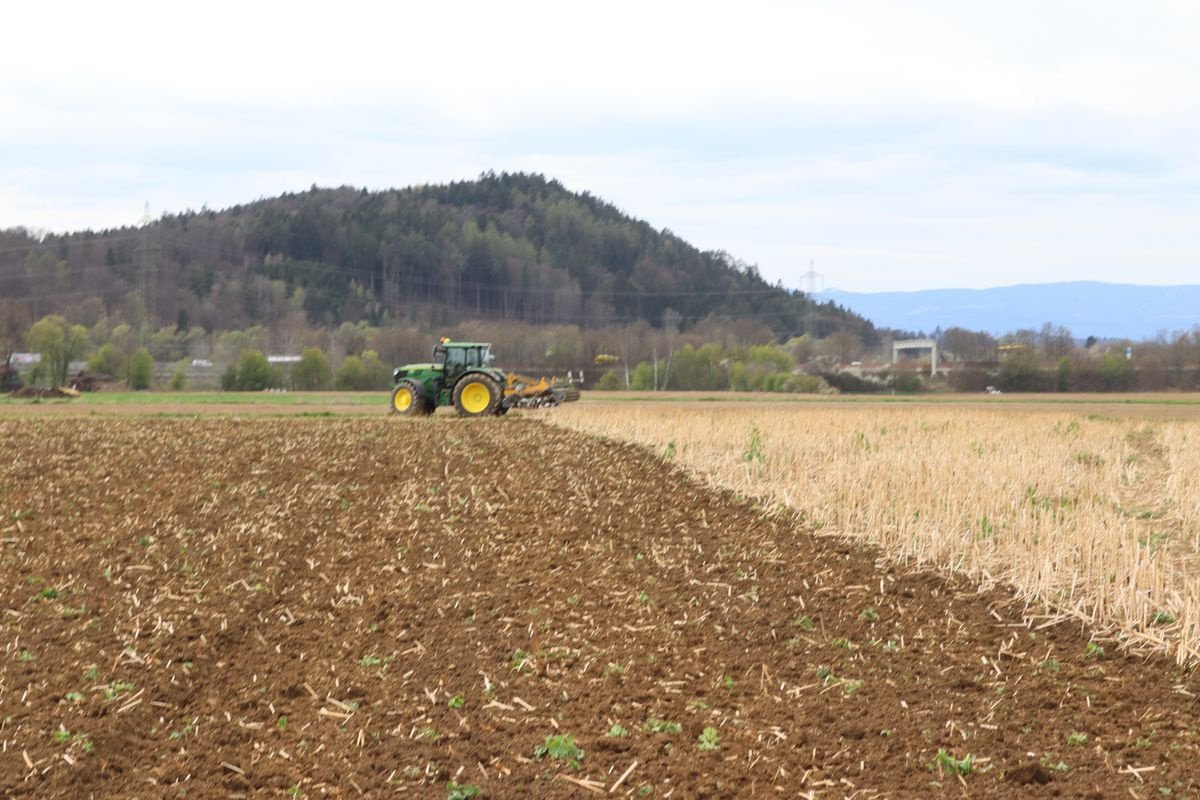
508 246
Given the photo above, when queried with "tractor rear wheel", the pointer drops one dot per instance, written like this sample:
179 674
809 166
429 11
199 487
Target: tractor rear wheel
410 400
476 395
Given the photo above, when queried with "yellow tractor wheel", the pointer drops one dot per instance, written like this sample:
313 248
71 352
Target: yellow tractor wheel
476 395
409 400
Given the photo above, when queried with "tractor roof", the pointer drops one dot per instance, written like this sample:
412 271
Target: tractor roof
466 344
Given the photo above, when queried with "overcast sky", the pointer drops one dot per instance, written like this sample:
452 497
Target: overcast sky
895 145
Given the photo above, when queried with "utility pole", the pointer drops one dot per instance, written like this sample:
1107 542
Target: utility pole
812 276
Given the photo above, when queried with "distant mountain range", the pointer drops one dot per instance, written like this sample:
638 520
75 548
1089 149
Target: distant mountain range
1086 308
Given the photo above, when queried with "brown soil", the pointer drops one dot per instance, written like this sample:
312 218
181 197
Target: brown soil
376 607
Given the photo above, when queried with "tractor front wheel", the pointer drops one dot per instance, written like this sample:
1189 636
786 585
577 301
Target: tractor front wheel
476 395
409 400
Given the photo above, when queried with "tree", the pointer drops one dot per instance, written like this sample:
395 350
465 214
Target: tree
376 374
253 372
1019 372
141 370
14 321
313 372
108 360
1114 371
1063 381
351 375
967 345
1055 340
844 345
609 382
179 376
59 344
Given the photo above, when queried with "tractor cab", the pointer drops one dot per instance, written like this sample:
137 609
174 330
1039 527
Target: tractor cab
454 358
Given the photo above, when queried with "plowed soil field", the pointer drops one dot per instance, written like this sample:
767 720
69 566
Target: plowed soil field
378 607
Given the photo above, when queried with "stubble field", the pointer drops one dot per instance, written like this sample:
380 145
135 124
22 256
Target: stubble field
268 607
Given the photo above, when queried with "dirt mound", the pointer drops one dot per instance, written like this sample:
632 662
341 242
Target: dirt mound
90 381
233 607
32 392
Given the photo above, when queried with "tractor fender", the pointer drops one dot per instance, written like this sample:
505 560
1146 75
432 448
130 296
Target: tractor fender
490 372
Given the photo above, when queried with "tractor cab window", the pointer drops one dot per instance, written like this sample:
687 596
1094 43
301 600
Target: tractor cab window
455 359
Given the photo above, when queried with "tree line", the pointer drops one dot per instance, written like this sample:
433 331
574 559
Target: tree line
503 247
717 353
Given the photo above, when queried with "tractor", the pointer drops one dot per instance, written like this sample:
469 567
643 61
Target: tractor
461 375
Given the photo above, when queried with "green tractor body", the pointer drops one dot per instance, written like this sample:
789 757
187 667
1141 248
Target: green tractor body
461 375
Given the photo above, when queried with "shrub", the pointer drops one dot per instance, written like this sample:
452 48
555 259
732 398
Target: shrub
609 381
802 384
179 376
376 374
313 372
108 360
141 370
351 375
253 372
908 382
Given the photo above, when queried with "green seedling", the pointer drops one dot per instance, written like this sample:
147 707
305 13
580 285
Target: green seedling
182 732
370 660
26 656
654 725
457 701
755 455
281 724
560 747
461 791
617 732
116 689
868 615
944 762
50 593
804 622
727 681
1093 650
1077 739
521 662
61 736
1048 762
708 740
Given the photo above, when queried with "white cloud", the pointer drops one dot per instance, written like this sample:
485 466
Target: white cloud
926 143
